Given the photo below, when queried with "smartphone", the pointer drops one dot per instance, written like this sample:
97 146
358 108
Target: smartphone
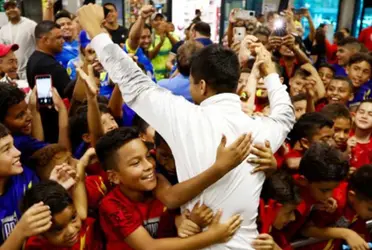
245 14
300 11
44 89
280 27
239 33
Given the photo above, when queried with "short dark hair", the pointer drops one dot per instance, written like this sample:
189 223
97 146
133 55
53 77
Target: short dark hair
336 110
262 30
339 35
110 4
3 131
326 65
308 125
9 95
364 101
281 188
301 72
50 193
108 145
203 28
299 97
63 14
184 56
44 27
218 67
360 57
322 162
78 124
344 79
360 182
350 41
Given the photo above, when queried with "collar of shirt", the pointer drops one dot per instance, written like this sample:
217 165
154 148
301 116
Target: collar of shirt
225 99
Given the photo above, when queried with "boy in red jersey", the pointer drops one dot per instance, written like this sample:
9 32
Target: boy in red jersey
68 231
129 214
321 170
347 225
360 141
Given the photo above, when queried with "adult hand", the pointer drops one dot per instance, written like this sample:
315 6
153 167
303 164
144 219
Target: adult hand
274 43
289 41
91 19
245 51
232 18
147 11
267 67
35 221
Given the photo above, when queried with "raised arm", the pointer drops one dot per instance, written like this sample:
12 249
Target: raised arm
137 28
227 159
48 11
37 126
154 104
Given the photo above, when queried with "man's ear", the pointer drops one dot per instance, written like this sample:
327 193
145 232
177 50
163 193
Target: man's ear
113 177
305 143
203 88
86 138
351 196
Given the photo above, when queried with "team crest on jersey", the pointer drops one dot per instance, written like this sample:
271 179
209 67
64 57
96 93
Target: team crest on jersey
7 225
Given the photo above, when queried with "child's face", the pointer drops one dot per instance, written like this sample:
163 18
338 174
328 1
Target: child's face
326 74
136 167
338 92
322 191
363 116
341 128
362 207
243 80
18 119
165 157
261 89
343 55
296 85
108 123
10 163
300 108
149 135
285 215
65 230
359 73
324 135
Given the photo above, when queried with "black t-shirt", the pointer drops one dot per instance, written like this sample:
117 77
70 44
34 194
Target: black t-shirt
43 64
119 35
177 46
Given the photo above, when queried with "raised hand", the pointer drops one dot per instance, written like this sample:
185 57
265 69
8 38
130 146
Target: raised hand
65 175
91 19
90 81
147 11
57 101
36 220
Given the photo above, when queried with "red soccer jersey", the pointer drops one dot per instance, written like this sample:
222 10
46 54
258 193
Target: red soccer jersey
361 154
366 37
119 217
96 190
89 239
343 217
281 239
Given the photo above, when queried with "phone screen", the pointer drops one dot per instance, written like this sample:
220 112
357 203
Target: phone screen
44 89
239 34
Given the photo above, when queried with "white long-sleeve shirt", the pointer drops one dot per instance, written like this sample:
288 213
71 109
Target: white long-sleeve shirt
194 133
23 34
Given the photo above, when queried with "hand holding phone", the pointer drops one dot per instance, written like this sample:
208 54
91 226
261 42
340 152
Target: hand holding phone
44 90
244 14
239 34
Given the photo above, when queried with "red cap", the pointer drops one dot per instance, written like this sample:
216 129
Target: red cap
4 49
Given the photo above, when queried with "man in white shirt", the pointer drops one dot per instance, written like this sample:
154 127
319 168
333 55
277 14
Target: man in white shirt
193 132
19 30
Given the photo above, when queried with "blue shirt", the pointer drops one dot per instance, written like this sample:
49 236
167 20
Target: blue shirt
71 68
70 51
9 201
364 92
27 145
145 61
204 41
339 70
179 85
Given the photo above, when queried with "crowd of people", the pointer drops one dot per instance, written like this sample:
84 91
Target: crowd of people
152 142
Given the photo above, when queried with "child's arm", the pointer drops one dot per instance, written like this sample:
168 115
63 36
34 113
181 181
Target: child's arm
116 103
216 233
35 221
94 115
354 240
265 242
37 130
227 159
59 105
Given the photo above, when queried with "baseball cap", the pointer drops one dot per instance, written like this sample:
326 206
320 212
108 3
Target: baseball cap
4 49
84 39
8 3
155 15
